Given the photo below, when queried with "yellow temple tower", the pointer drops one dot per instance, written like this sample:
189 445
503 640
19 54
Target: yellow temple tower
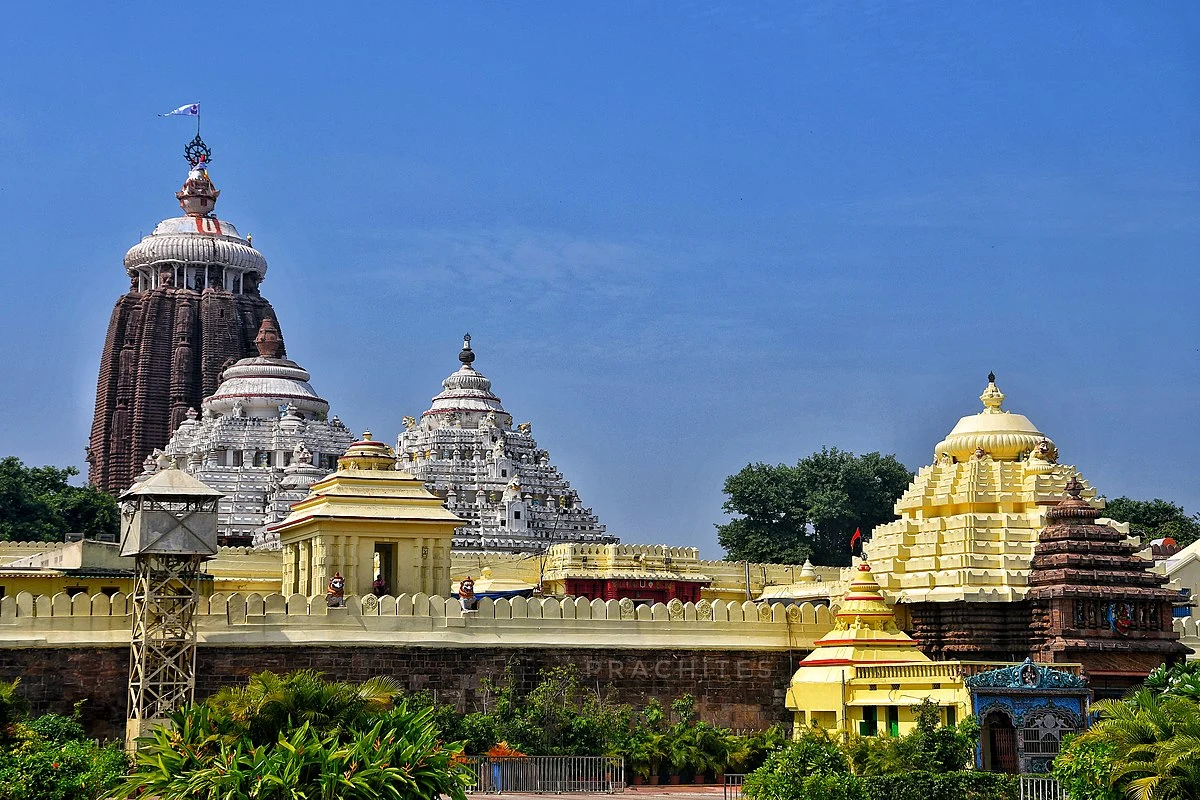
367 521
959 556
866 674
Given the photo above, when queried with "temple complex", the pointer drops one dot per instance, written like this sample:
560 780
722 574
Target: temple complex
377 528
495 478
960 554
262 439
1097 603
192 308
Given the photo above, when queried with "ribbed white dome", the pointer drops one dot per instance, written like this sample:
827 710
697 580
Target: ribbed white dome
195 241
261 385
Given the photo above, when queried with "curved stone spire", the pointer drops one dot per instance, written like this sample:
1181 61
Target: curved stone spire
192 306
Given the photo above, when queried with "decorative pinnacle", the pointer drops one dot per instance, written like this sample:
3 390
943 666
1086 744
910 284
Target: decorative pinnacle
366 436
992 397
1074 488
466 356
268 340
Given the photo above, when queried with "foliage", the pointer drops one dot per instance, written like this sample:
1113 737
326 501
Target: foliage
38 504
1155 746
50 758
13 707
921 785
785 774
559 717
929 746
786 514
1182 679
1155 519
925 764
1084 769
747 753
296 736
270 705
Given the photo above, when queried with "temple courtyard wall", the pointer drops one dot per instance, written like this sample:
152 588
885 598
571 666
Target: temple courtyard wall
735 658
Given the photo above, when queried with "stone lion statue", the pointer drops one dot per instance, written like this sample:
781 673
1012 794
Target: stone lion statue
409 423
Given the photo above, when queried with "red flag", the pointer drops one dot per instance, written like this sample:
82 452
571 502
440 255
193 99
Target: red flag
856 538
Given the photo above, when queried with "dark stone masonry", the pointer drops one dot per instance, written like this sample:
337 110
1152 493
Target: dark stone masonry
738 689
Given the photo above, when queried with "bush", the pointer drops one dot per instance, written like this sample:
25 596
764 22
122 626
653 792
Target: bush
331 740
51 758
960 785
783 776
1084 769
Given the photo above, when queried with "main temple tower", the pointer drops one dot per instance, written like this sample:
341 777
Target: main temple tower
192 308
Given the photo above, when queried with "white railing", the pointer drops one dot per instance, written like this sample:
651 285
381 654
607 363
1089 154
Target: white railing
546 774
1041 787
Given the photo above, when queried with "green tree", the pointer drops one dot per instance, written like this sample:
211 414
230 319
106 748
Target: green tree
1155 519
784 514
39 504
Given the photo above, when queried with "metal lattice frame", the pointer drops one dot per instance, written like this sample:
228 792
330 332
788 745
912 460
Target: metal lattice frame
162 668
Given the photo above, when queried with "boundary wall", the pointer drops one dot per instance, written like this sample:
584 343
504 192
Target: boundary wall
427 621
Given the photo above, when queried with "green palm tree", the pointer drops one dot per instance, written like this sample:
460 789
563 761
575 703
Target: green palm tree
269 704
1156 745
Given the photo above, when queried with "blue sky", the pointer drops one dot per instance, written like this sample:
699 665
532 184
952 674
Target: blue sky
685 236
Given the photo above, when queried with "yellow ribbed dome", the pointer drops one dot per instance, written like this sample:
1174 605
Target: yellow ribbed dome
1003 435
368 454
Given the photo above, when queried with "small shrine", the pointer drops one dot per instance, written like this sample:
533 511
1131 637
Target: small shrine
375 528
644 573
866 674
1024 710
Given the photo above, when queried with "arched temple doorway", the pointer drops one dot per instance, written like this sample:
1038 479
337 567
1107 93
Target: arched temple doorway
998 741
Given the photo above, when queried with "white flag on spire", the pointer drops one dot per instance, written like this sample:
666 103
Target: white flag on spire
192 110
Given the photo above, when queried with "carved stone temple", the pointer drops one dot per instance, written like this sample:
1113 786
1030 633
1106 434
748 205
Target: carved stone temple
466 451
1000 554
1097 603
192 307
261 439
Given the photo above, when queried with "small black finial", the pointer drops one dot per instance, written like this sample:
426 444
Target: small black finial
991 377
197 152
467 356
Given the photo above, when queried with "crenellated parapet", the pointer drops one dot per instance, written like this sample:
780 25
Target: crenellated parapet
247 620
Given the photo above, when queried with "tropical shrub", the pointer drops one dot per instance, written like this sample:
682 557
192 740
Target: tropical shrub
928 747
1155 745
296 736
50 757
784 775
1181 679
1084 769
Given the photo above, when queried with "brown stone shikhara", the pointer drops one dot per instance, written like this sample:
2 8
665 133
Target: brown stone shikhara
1093 601
163 354
742 690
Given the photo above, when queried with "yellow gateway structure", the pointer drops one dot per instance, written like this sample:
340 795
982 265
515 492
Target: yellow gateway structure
367 521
